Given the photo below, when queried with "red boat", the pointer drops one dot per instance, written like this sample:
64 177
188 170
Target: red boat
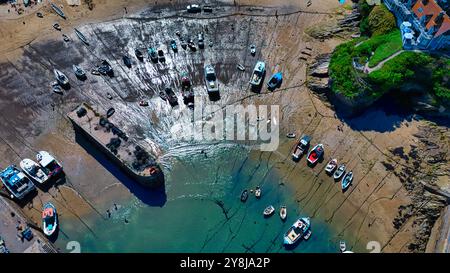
315 154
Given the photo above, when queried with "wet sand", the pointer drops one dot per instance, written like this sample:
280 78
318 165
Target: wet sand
367 209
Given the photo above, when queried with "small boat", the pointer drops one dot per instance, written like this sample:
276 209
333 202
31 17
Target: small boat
342 246
49 219
126 61
339 172
16 182
315 154
291 135
240 67
301 147
58 11
183 44
258 192
269 211
258 73
143 103
95 71
65 38
81 36
201 42
39 14
308 3
171 97
57 89
283 212
79 72
331 166
161 57
307 235
297 231
275 81
138 54
173 45
61 78
57 26
152 54
163 95
347 180
105 68
244 195
253 50
33 170
110 112
211 79
109 96
51 166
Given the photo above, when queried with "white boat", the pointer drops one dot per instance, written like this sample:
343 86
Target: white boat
297 231
49 219
331 166
258 73
51 166
283 212
33 170
342 246
79 72
60 77
258 192
307 235
339 172
211 79
268 211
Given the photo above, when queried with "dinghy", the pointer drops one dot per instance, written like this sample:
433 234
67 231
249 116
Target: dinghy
347 180
244 195
143 103
315 154
291 135
331 166
138 54
268 211
283 213
49 219
339 172
33 170
60 77
110 112
79 72
258 192
126 61
163 95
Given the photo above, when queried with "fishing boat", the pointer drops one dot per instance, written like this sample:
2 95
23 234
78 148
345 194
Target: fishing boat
60 77
58 10
81 36
258 192
339 172
163 95
244 195
268 211
49 219
347 180
283 213
301 147
258 73
342 246
110 112
33 170
171 97
79 72
50 165
16 182
138 54
291 135
275 81
331 166
297 231
126 61
315 154
211 79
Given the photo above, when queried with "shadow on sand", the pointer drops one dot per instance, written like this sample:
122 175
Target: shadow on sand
150 197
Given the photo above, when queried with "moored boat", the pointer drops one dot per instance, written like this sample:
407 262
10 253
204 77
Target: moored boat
258 73
275 81
171 97
58 10
347 180
291 135
342 246
79 72
268 211
315 154
297 231
60 77
163 95
81 36
331 166
143 103
283 213
126 61
258 192
33 170
211 79
301 147
50 165
16 182
49 219
138 54
339 172
307 235
244 195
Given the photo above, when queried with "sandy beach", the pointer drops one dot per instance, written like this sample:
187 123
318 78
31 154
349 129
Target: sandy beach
365 212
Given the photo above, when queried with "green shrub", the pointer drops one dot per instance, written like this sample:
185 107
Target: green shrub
381 21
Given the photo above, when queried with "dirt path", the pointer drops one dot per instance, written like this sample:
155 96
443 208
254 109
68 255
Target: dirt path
369 70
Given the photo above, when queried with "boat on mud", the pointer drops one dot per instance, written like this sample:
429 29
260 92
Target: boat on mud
139 54
56 26
340 171
173 45
186 89
161 57
33 170
58 10
171 97
50 165
240 67
81 36
315 154
163 95
258 73
283 213
258 192
331 166
143 103
16 182
307 235
268 211
275 81
301 147
152 54
60 77
105 68
211 79
126 61
79 72
244 195
49 219
347 180
297 231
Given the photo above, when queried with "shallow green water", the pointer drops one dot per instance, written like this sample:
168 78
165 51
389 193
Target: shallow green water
203 212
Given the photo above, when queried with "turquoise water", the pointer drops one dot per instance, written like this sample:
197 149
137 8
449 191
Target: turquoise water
203 212
341 2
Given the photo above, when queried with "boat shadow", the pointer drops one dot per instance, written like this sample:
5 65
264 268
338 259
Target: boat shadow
293 246
152 197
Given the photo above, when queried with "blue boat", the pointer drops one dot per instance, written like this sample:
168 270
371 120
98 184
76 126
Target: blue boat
275 81
300 229
58 11
347 180
16 182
